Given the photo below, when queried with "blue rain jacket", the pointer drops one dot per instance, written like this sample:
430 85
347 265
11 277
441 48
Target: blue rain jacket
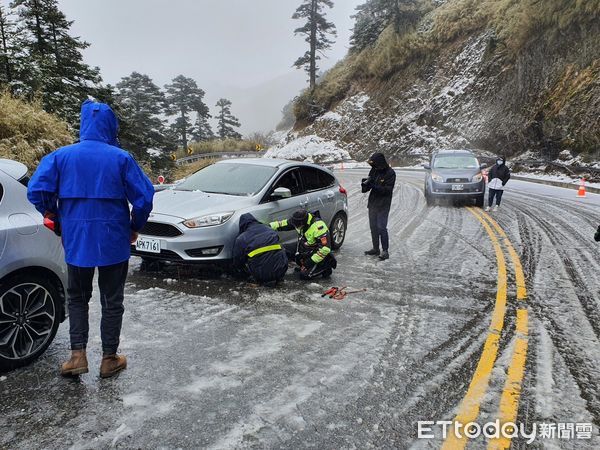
88 185
270 266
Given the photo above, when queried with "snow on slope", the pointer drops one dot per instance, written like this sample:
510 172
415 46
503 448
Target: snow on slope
310 149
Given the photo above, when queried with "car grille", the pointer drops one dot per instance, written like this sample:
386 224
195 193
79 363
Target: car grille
160 229
166 255
457 180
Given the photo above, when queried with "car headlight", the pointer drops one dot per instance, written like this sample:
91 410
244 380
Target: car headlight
209 220
477 178
437 178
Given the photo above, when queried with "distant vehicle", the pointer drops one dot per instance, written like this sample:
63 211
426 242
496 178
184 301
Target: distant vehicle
456 175
33 275
197 220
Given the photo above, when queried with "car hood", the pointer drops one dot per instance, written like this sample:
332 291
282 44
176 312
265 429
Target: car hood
187 204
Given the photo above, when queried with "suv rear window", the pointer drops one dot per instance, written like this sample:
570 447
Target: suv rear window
315 179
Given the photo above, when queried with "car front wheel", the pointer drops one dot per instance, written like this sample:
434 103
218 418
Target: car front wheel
338 228
29 319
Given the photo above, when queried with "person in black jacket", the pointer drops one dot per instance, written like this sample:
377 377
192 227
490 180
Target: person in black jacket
499 175
257 252
597 235
380 184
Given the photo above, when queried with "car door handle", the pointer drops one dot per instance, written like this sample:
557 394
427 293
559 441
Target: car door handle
330 195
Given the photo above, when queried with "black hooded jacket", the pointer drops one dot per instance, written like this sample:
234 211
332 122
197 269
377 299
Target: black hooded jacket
380 183
269 266
501 172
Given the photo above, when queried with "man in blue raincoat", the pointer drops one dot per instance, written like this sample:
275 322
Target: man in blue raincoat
257 251
86 187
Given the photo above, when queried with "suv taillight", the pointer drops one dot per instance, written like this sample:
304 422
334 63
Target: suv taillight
343 191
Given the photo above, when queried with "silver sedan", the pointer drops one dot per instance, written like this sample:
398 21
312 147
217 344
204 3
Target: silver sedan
33 274
197 220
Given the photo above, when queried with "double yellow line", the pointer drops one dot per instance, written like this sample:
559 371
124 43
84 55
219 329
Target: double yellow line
509 402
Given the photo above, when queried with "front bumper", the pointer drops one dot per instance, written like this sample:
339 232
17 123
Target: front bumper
189 246
468 189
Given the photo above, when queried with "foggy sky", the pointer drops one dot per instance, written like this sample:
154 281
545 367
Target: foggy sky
232 48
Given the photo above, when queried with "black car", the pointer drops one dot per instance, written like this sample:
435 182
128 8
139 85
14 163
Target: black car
455 175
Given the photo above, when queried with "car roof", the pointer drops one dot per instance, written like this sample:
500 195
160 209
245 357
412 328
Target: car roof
13 169
270 162
454 152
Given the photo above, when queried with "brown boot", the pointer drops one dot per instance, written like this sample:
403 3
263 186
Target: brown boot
112 364
77 365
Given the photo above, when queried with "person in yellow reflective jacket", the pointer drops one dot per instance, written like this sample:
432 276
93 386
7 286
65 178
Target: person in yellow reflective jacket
313 255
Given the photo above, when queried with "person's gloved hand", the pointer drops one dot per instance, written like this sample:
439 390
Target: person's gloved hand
367 181
597 235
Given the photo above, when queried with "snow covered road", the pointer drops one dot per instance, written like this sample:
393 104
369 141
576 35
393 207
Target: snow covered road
215 363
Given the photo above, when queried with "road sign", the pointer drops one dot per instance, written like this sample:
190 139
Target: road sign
190 151
173 157
161 179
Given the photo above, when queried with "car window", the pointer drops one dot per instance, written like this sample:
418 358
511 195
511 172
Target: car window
455 162
290 180
229 179
315 179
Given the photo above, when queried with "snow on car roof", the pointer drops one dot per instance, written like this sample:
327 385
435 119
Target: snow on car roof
14 169
270 162
446 152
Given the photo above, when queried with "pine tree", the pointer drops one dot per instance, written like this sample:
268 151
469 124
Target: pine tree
54 59
140 105
6 58
317 31
183 98
227 121
374 16
202 129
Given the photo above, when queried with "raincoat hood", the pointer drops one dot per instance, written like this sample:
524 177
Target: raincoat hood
245 221
378 161
501 158
98 123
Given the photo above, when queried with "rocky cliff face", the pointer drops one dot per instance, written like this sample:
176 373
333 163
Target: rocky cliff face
541 104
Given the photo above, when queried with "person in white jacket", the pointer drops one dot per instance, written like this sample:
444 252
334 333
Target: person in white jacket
499 175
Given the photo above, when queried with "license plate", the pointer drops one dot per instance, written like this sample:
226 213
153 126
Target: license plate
458 187
147 245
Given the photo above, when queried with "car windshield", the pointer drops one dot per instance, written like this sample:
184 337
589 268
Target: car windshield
455 162
229 179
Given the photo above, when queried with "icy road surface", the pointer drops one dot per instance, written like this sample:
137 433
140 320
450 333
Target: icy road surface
215 363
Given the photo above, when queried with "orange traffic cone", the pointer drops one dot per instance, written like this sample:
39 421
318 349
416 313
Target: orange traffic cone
581 192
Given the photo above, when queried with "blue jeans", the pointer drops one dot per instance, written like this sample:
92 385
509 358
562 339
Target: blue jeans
497 193
111 281
378 221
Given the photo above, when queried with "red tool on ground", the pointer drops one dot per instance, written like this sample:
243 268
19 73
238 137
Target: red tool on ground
340 293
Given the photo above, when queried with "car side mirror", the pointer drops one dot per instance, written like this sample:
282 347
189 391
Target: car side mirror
483 166
427 166
280 193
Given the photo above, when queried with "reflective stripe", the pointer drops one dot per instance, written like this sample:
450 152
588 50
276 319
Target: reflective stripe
260 251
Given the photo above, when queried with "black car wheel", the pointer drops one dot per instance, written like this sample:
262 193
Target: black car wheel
338 229
29 319
479 200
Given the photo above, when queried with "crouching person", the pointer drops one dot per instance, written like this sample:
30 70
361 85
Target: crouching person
258 253
313 256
